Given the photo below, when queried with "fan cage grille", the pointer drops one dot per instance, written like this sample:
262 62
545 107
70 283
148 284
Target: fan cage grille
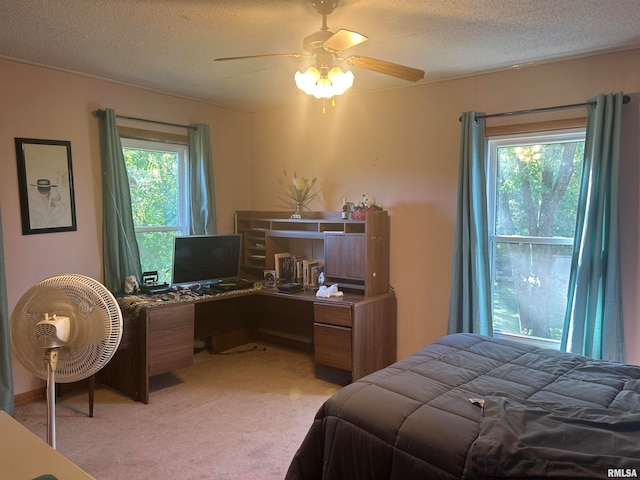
82 357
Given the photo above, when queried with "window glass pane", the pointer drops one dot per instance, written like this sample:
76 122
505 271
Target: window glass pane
537 189
156 252
153 181
533 197
530 288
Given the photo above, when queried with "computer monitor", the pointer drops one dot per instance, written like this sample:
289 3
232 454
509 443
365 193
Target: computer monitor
205 259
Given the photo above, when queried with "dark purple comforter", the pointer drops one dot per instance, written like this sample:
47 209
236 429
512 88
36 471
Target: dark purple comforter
546 414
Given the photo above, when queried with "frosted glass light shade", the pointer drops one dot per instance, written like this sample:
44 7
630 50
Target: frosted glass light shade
313 82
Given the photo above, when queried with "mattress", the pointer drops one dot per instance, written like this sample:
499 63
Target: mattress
470 407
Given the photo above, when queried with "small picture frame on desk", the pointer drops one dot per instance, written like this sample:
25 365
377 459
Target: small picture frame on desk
278 258
269 278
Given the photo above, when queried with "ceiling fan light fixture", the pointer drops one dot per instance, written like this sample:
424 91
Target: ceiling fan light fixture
340 80
307 81
324 84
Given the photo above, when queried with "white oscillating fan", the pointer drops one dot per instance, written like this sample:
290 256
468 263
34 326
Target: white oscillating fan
64 329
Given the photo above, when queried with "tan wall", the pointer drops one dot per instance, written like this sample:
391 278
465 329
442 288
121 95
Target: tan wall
401 146
41 103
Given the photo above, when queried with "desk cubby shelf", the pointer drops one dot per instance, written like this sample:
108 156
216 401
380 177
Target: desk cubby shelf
355 253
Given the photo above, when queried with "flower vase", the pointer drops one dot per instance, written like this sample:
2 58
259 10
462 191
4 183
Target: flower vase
298 214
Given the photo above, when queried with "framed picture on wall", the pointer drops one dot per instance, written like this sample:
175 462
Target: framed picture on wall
45 181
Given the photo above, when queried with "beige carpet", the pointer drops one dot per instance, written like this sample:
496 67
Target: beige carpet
226 417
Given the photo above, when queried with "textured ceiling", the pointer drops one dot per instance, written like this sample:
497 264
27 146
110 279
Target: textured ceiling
169 45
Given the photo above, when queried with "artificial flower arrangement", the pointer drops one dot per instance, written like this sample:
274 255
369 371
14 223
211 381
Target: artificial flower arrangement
300 191
368 203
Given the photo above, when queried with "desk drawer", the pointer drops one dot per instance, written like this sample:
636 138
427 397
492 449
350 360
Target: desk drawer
332 346
332 314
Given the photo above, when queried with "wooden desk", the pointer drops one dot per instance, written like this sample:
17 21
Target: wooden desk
353 332
23 455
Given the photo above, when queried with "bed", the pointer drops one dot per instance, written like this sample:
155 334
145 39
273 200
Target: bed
472 407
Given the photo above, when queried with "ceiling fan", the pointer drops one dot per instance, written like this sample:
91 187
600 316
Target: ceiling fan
325 79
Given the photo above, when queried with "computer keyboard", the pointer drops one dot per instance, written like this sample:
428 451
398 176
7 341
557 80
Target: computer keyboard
228 286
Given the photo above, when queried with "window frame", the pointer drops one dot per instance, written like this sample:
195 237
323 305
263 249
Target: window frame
514 138
183 180
183 226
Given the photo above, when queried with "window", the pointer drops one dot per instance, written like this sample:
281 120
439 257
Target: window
159 193
533 186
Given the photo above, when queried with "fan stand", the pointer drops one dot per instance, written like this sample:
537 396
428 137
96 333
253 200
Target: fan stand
51 361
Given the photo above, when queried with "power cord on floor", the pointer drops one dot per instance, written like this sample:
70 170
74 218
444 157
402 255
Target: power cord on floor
246 350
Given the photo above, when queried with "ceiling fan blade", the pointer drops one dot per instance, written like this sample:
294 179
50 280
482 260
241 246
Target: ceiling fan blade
343 39
388 68
290 55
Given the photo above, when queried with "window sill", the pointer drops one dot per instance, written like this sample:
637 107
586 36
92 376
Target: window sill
526 339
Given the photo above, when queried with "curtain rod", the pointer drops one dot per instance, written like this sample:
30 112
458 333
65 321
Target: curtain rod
98 113
625 99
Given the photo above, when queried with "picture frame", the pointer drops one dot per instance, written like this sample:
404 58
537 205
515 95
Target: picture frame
269 278
45 183
278 259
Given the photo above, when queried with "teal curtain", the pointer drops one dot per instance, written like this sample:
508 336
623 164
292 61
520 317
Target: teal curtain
593 324
120 248
203 207
6 371
470 300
